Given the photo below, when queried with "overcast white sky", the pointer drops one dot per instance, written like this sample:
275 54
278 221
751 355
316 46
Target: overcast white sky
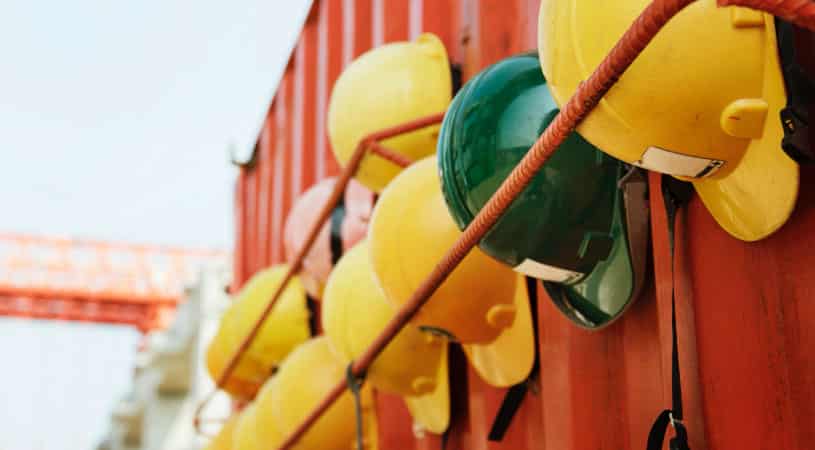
115 117
60 382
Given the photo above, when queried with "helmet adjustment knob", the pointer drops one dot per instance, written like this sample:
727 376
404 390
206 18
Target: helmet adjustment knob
501 316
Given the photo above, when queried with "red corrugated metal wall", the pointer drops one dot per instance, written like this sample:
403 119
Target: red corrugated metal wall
746 311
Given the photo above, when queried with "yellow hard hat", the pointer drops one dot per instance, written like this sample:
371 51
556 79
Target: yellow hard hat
267 431
701 102
217 357
304 379
387 86
501 362
244 435
285 328
223 440
413 365
411 230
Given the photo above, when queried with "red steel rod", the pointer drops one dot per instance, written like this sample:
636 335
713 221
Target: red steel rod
336 193
633 42
325 213
641 32
400 160
199 410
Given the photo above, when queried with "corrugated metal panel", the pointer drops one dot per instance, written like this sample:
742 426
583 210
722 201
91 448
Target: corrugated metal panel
744 309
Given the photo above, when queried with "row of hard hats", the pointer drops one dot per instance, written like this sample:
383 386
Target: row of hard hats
702 103
483 304
703 114
581 226
493 321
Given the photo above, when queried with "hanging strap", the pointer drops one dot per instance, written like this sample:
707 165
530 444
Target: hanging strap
355 386
515 395
800 88
337 217
457 77
445 437
313 315
675 194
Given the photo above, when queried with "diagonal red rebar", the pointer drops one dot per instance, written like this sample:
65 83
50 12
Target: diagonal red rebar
397 158
369 143
641 32
633 42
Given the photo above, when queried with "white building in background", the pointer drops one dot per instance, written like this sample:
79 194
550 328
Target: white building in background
170 379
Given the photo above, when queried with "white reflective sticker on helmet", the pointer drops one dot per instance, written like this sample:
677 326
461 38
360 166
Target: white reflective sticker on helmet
546 272
678 164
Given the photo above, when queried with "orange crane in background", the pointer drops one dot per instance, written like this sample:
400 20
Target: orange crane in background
96 281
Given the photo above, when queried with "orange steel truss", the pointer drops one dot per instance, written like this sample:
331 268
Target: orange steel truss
95 281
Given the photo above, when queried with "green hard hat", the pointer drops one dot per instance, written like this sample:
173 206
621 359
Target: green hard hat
582 223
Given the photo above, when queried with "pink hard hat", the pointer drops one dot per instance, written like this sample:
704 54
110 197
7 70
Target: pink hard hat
347 225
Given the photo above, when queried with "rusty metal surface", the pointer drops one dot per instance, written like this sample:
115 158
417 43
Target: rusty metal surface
745 310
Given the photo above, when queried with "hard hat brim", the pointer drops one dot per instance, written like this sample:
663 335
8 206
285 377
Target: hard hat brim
432 411
759 195
757 198
603 295
509 359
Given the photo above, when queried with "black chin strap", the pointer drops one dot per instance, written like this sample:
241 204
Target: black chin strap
800 86
313 315
675 194
516 394
355 386
337 217
445 438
